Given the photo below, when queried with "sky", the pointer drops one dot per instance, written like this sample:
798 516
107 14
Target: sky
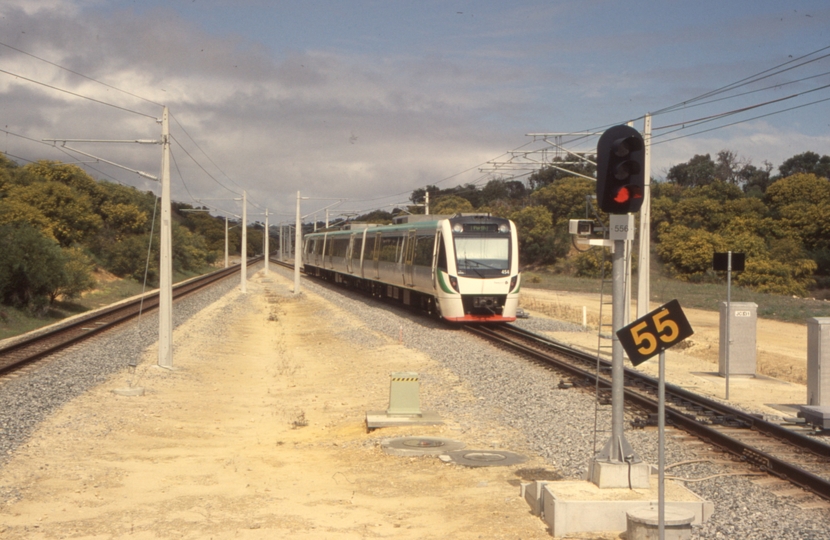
355 104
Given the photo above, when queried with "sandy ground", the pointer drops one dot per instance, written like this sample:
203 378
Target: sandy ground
781 352
258 433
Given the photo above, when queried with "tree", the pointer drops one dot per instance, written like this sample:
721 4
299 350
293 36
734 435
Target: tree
69 213
548 175
698 171
534 226
77 275
503 191
807 163
32 266
450 204
565 198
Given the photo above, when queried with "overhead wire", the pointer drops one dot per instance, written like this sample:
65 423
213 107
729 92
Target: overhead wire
746 80
201 167
71 93
202 151
21 51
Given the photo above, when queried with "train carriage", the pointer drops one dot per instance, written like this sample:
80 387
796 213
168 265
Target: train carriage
464 268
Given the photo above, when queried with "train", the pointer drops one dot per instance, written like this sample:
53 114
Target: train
462 268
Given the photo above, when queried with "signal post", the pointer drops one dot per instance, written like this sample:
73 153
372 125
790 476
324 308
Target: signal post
620 186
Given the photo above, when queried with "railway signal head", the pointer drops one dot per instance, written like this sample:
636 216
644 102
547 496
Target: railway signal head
620 175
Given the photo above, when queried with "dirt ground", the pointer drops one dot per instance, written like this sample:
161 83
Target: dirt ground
258 433
781 351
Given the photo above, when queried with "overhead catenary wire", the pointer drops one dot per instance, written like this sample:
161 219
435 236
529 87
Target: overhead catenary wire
201 167
21 51
746 80
71 93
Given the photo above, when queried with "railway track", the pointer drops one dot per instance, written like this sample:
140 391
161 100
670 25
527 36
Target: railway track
782 451
785 452
38 345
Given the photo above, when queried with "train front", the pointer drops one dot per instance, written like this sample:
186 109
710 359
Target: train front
478 280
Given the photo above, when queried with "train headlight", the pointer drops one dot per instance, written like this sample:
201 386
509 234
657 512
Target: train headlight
503 228
458 228
454 283
513 283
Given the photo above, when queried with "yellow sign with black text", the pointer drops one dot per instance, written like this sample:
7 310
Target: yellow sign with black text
655 332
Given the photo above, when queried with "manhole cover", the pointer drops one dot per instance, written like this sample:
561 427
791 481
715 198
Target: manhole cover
420 446
486 458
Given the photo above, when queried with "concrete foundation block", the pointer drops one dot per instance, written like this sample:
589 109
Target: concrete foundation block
533 496
612 475
570 507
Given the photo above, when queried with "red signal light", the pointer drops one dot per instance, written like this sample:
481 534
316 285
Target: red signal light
622 196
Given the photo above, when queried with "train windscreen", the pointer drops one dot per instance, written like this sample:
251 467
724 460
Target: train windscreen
483 256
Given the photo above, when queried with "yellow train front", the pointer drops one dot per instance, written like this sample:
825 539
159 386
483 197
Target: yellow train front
463 268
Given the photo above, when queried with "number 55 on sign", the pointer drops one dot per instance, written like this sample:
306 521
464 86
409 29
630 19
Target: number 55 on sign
655 332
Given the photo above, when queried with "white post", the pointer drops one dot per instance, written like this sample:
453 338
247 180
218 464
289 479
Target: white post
165 263
661 446
244 247
644 262
266 241
226 241
327 218
728 315
426 204
297 248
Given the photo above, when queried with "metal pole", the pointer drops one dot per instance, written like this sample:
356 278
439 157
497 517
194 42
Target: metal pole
165 263
629 247
244 248
661 447
267 232
226 241
644 263
297 247
728 314
617 369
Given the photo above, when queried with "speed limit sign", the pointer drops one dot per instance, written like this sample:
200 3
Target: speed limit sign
655 332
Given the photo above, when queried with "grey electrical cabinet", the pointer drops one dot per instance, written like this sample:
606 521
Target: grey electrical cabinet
818 361
742 318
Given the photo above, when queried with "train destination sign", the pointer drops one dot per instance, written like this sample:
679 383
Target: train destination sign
655 332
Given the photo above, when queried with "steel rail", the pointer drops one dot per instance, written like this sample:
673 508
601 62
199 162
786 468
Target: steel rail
42 343
743 451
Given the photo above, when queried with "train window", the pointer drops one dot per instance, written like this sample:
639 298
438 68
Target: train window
442 255
339 247
318 246
390 248
423 251
358 240
370 248
479 255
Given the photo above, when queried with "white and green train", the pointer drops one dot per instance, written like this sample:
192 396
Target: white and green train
463 268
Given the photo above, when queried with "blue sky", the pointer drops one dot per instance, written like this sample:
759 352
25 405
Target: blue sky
369 100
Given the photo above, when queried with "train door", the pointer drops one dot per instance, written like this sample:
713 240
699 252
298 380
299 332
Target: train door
376 257
409 255
436 248
349 250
